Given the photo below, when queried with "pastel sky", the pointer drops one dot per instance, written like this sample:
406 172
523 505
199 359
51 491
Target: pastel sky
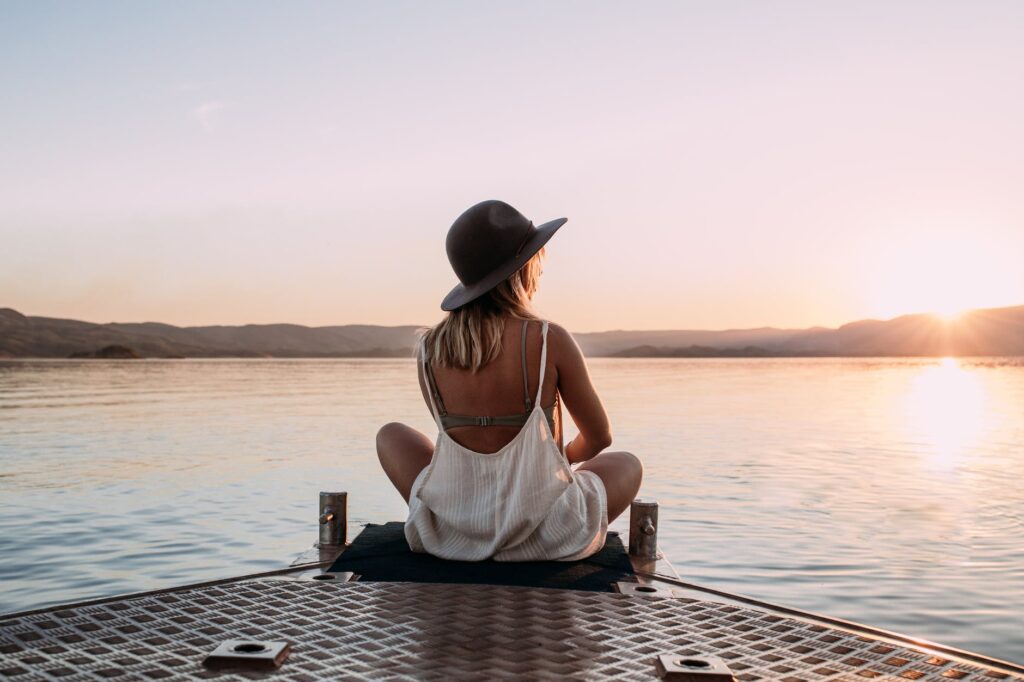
722 164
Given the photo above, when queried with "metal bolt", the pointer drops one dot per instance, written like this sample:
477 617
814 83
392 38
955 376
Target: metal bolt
333 519
643 529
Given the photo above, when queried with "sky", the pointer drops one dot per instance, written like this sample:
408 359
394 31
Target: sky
721 164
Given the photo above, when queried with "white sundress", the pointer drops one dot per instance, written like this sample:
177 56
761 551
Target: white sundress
521 503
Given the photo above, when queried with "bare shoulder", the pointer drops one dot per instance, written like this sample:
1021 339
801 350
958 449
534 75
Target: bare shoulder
558 333
561 343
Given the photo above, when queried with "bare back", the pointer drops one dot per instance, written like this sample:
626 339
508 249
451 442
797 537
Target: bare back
497 391
497 388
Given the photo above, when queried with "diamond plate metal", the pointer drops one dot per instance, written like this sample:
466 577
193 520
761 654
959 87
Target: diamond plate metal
442 632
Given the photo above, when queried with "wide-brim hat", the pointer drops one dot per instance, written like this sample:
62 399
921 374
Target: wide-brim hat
487 244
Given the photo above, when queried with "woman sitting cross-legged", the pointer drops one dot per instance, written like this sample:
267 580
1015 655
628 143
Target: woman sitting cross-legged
497 483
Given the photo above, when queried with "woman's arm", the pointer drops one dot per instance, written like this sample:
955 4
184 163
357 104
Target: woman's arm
580 398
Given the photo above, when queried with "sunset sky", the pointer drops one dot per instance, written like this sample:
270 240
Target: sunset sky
722 164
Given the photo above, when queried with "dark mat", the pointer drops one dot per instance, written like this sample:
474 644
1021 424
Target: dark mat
380 553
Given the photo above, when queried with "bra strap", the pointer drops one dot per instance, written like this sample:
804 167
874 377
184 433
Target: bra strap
526 381
543 359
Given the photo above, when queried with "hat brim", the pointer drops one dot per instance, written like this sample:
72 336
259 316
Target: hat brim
462 294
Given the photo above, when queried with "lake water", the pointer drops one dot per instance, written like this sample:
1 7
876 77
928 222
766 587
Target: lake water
883 491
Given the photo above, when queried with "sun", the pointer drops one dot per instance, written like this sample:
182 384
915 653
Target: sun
949 313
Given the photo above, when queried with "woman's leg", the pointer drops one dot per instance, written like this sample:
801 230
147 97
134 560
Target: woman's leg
403 452
621 473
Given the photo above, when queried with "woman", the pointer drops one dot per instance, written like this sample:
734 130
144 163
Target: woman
497 482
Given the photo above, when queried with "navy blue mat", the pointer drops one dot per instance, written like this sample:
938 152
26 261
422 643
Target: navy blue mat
380 553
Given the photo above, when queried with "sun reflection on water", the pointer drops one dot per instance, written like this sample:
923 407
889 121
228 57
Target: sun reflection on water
945 412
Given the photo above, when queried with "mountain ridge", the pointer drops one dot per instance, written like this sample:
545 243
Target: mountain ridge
985 331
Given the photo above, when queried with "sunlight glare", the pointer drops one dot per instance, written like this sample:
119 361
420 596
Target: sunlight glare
950 313
945 411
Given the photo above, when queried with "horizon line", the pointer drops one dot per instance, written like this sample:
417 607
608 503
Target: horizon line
941 316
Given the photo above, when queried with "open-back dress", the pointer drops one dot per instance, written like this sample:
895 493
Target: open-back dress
521 503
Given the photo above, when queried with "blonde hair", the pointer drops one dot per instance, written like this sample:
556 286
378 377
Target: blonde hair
469 337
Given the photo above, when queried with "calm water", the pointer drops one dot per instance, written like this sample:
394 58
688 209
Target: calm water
887 492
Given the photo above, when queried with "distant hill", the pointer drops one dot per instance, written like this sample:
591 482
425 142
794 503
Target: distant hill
992 331
667 342
694 352
108 353
45 337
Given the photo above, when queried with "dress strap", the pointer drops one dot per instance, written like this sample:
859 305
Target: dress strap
432 392
543 359
526 381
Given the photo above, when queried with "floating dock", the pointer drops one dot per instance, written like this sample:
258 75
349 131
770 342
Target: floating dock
309 622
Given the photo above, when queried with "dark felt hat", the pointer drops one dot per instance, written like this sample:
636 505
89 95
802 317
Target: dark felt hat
487 244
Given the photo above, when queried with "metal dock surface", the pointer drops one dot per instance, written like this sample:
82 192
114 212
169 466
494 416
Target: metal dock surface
354 630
